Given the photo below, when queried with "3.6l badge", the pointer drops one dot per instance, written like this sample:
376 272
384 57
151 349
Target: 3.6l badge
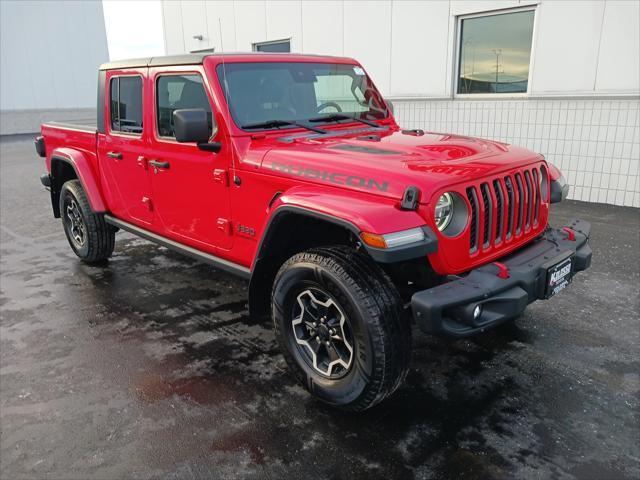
244 230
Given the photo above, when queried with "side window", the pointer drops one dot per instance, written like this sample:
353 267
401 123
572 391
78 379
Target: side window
126 104
175 92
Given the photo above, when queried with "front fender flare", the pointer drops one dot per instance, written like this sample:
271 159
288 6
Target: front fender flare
355 213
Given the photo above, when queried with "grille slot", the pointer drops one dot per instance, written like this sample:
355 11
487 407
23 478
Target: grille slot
511 205
473 227
538 194
487 205
520 201
529 186
499 212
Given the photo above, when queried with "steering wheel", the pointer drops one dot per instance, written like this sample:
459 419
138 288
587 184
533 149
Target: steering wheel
324 105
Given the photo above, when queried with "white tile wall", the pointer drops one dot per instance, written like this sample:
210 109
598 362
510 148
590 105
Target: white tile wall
595 142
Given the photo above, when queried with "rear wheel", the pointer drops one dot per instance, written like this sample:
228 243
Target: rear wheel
338 320
90 237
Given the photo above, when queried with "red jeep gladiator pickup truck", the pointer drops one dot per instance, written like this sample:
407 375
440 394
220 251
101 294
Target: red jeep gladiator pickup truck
291 171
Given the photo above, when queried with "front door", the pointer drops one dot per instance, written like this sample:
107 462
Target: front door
190 186
127 185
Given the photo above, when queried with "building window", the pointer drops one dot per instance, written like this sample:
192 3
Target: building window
275 46
174 92
494 52
126 104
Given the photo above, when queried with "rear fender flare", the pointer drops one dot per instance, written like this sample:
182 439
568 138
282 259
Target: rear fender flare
84 172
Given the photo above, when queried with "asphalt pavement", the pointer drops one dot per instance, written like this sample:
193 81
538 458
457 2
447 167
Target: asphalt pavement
150 367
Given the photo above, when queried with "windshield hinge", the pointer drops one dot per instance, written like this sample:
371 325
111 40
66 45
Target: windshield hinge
410 198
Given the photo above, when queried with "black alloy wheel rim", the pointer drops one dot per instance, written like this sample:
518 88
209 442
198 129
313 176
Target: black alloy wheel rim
75 222
322 333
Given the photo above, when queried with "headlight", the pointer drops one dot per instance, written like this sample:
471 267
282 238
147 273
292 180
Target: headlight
444 211
451 214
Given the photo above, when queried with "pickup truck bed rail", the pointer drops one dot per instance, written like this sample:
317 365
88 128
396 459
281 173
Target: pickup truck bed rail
81 127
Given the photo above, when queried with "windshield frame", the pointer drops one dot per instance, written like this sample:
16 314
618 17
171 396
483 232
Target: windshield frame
220 69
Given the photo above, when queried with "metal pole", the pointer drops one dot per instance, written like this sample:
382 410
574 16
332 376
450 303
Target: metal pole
497 53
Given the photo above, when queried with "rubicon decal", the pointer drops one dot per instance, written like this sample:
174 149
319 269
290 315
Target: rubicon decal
333 177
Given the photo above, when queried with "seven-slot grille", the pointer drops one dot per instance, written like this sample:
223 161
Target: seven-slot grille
503 208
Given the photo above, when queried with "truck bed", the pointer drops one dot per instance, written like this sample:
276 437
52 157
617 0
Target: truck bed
69 135
62 139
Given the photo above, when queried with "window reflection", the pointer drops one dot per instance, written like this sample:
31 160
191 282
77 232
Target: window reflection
494 53
278 46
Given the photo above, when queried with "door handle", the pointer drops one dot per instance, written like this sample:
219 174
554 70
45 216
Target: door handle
116 155
157 164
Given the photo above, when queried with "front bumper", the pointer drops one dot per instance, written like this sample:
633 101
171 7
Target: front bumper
448 308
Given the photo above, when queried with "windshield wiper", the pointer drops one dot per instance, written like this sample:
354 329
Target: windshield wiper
282 123
334 117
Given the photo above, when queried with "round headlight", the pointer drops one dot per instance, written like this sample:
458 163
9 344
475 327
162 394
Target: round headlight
451 214
444 211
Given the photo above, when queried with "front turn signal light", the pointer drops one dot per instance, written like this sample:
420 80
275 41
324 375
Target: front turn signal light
373 240
392 240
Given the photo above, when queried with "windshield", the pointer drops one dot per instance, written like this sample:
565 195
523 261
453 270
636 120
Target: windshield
260 93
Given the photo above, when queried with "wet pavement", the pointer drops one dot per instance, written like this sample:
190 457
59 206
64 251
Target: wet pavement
150 367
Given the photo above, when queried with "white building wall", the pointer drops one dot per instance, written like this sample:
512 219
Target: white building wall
49 61
419 27
582 110
323 30
618 66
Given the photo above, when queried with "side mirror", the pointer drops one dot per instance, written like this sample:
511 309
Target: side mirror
191 125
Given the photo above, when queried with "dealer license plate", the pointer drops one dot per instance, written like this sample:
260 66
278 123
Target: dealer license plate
559 276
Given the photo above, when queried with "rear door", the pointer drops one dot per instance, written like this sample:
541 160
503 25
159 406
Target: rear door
190 186
121 150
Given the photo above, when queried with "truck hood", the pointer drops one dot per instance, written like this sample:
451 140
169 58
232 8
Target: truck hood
387 162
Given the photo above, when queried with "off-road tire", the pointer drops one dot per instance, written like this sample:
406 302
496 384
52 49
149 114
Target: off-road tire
372 305
99 237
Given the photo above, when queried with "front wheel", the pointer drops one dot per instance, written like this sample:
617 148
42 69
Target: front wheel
90 237
339 323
